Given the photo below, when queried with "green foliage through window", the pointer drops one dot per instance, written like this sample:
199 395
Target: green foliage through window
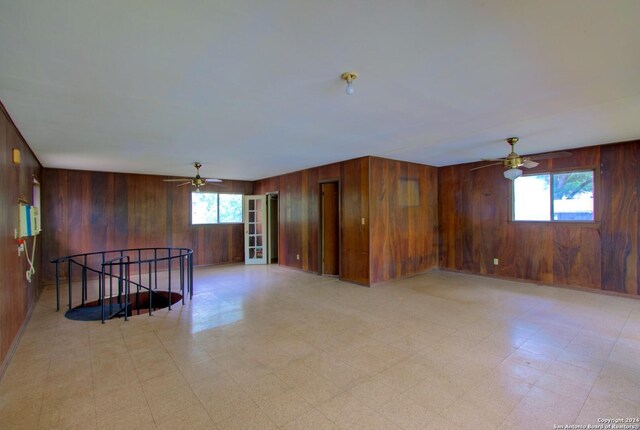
572 185
230 207
572 197
215 208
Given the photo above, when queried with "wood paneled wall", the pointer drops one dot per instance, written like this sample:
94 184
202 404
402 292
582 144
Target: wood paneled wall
392 242
475 226
299 213
17 296
404 218
355 256
620 218
92 211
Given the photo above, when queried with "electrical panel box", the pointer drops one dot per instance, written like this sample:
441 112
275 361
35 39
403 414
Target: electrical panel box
29 220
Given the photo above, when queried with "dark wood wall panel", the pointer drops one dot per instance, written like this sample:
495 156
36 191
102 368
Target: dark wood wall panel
290 223
294 221
448 225
179 197
146 211
94 211
620 219
405 239
310 192
403 235
354 207
17 295
299 214
475 227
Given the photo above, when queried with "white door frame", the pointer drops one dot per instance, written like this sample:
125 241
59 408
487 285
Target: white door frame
255 229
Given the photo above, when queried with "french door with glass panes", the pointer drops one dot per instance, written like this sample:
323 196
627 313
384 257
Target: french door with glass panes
255 229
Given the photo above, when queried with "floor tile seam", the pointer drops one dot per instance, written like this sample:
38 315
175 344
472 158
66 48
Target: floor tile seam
40 409
474 384
590 346
627 321
144 394
480 407
565 397
93 383
49 360
419 380
583 403
266 412
93 403
541 411
526 352
133 360
585 357
340 361
618 397
347 392
211 417
600 372
456 397
403 398
93 396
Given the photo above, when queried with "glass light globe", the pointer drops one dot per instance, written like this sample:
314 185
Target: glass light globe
349 88
512 174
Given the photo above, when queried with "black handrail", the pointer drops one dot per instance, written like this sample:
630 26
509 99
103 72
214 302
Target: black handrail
123 279
123 261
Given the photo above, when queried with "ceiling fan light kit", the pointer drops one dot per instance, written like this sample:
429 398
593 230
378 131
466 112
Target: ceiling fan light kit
512 174
513 161
197 181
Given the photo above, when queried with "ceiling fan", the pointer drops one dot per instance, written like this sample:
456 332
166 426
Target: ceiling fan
513 161
197 181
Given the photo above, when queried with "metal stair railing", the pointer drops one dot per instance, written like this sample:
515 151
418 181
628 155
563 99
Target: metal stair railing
123 263
124 274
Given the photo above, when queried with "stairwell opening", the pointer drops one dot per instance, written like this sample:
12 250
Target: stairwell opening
137 304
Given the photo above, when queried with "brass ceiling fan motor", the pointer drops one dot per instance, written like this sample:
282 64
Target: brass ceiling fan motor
512 162
197 181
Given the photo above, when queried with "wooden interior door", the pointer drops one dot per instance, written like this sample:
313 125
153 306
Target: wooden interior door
330 234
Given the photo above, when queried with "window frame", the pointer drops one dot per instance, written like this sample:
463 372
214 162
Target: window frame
596 193
217 222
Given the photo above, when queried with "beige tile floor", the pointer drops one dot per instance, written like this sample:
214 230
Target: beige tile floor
264 347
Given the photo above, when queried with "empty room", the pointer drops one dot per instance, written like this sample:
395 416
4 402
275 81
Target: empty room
320 215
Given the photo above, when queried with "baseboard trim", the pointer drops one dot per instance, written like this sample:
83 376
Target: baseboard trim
16 340
545 284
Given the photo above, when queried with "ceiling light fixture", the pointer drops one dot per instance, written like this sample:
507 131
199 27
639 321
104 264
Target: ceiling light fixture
513 174
349 77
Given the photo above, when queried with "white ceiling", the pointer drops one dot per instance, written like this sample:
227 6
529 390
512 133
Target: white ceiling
252 88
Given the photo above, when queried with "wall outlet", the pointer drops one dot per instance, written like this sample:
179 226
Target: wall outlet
297 256
495 261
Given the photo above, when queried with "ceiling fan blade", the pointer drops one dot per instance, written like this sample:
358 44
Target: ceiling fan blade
529 163
549 155
486 165
197 181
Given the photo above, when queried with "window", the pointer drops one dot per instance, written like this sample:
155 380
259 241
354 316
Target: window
566 196
214 208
